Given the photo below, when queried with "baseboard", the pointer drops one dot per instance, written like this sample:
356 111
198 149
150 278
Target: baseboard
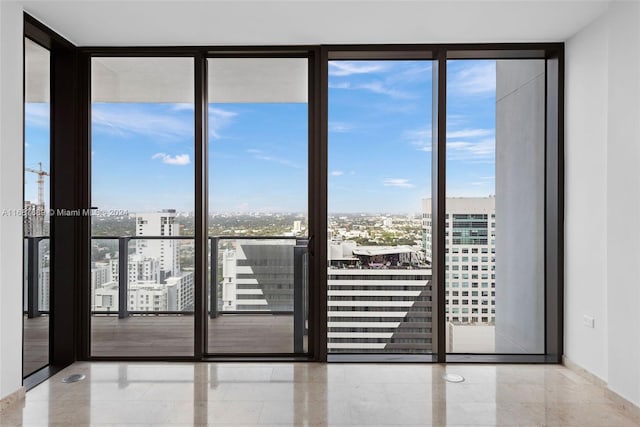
583 372
624 404
12 398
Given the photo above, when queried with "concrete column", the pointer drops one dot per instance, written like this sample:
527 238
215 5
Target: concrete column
520 106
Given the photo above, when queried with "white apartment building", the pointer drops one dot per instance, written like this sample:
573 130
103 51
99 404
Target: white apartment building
33 219
470 258
148 296
105 297
154 279
165 251
179 291
175 295
101 273
139 269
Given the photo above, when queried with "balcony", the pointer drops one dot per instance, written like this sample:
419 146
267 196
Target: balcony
258 302
141 307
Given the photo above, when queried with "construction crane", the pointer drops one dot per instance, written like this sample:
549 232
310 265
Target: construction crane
41 174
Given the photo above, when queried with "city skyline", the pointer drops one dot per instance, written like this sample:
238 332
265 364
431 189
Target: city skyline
383 105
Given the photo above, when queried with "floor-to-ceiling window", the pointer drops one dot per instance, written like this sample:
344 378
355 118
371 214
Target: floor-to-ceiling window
379 171
434 163
258 205
142 189
494 273
35 214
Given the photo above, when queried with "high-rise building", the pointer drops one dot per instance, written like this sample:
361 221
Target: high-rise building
140 269
165 251
44 284
179 291
155 281
143 269
258 275
470 258
148 295
33 218
100 274
379 300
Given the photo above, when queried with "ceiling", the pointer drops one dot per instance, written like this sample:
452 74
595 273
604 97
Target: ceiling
231 80
37 75
266 22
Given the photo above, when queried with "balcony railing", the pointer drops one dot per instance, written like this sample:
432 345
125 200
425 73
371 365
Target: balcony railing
299 247
294 284
36 286
34 274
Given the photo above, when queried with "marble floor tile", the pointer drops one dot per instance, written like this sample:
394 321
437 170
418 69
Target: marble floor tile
312 394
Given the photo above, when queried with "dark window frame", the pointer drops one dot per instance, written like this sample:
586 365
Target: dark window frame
42 41
66 240
70 331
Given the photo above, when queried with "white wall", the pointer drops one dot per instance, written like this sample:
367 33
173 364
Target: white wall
602 268
585 202
10 197
623 200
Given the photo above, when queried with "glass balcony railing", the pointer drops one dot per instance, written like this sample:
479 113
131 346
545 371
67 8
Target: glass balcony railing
36 276
140 275
254 284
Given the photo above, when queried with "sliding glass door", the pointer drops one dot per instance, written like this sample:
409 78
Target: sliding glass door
37 174
142 189
143 161
379 172
258 205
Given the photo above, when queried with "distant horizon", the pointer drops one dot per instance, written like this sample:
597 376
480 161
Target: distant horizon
302 214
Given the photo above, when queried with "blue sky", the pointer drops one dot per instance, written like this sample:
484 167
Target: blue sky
380 133
36 136
379 145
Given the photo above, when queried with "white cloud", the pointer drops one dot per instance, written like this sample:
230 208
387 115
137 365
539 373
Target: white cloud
339 127
482 150
184 107
421 138
383 89
341 85
397 182
132 120
475 78
347 68
261 155
178 159
413 74
469 133
37 114
484 181
469 146
218 120
337 173
378 87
